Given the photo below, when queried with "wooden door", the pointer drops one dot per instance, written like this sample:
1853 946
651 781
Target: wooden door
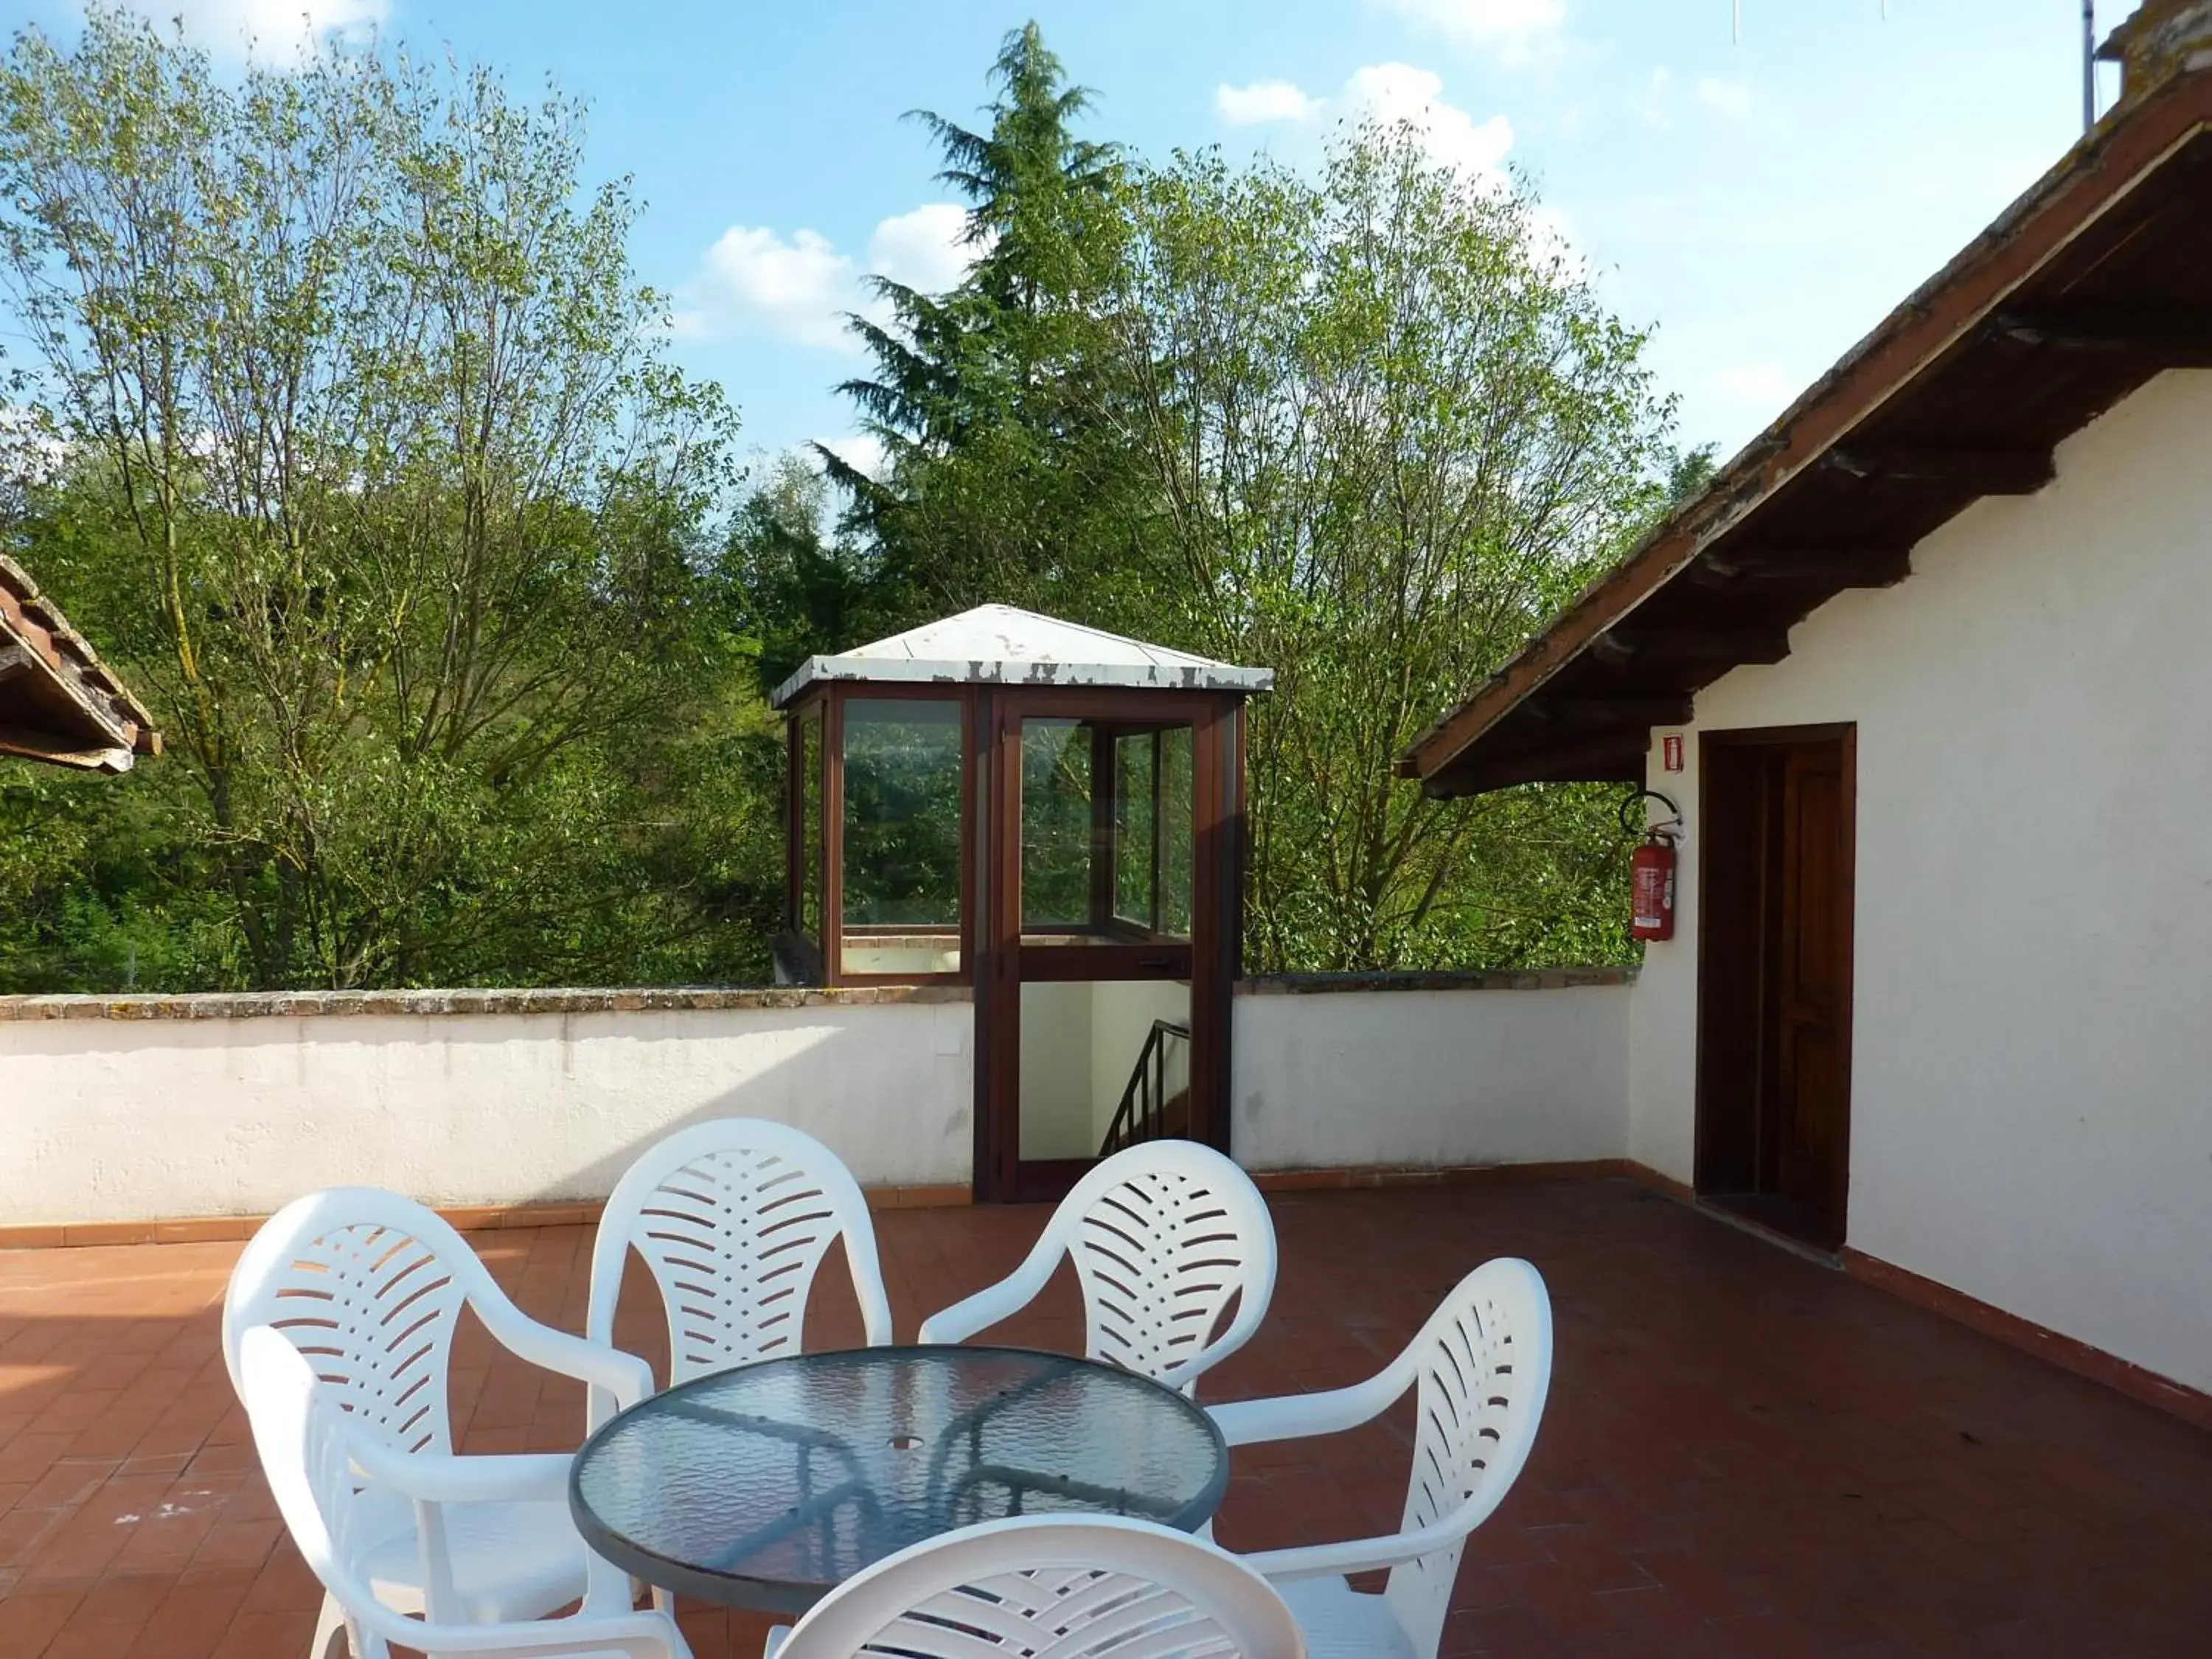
1032 952
1775 978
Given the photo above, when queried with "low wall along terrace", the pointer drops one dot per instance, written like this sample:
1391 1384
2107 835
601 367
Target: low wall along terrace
134 1108
129 1109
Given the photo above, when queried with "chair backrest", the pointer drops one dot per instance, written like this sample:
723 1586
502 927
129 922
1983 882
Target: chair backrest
368 1285
1484 1366
1163 1235
734 1218
1070 1586
299 1431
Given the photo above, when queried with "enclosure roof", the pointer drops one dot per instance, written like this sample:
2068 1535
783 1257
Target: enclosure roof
58 702
2097 279
999 644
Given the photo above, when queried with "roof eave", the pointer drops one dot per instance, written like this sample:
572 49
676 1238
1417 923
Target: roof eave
1937 314
1117 675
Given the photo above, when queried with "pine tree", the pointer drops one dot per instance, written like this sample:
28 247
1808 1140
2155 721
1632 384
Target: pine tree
1002 480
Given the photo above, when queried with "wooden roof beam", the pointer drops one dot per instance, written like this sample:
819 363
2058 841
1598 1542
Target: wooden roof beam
1615 712
62 751
1978 472
1823 569
2172 336
1617 758
1681 645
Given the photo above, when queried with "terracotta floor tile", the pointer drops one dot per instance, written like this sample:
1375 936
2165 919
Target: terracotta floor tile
101 1639
1744 1455
193 1620
30 1618
23 1531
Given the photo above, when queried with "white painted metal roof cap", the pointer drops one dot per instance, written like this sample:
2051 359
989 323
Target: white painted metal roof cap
999 645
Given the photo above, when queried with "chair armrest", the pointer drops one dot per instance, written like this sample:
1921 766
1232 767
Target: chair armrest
1370 1554
974 1313
993 1302
1304 1416
466 1478
1359 1554
618 1380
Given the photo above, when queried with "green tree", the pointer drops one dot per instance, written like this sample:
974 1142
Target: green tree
796 590
378 484
1004 479
1390 430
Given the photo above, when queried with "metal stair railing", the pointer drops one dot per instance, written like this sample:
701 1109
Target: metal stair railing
1143 1111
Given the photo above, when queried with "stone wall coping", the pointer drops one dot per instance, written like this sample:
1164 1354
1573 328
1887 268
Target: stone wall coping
302 1005
299 1005
1535 979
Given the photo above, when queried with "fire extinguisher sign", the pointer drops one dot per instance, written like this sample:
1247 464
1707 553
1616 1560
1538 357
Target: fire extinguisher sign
1670 751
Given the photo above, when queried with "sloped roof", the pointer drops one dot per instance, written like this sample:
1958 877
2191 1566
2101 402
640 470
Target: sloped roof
58 702
1000 645
2097 279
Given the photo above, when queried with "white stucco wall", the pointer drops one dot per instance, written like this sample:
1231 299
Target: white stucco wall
2032 1051
133 1120
1410 1078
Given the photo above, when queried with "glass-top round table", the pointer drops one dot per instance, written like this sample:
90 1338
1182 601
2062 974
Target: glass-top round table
767 1485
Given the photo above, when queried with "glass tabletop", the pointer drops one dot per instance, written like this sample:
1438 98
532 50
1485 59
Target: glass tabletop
767 1485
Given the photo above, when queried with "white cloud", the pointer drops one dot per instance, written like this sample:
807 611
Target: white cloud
1517 30
753 279
269 29
795 288
926 249
1390 93
1263 100
1400 92
1729 98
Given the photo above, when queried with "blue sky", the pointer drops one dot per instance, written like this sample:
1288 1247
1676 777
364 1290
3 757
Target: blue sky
1762 201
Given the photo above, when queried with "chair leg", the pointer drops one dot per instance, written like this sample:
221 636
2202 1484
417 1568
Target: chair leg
332 1639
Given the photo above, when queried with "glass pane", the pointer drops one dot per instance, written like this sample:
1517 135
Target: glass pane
901 890
1096 1072
1055 824
1178 858
810 824
1135 844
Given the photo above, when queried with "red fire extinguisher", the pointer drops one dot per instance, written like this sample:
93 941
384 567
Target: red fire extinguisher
1651 871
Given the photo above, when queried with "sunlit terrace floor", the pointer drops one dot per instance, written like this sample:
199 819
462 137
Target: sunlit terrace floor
1744 1454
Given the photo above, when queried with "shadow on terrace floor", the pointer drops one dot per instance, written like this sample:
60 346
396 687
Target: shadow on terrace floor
1744 1454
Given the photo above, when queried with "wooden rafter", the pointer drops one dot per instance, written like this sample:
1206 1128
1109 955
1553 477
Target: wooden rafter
1692 644
2172 336
1976 472
1602 712
1826 569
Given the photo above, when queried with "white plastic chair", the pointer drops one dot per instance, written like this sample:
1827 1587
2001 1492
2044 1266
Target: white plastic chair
1163 1234
368 1285
733 1216
1073 1587
328 1466
1483 1365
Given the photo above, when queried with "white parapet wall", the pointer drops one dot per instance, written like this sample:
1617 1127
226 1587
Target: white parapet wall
135 1108
141 1109
1428 1071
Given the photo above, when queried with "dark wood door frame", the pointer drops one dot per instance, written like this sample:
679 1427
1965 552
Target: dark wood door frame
1754 1060
1209 961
